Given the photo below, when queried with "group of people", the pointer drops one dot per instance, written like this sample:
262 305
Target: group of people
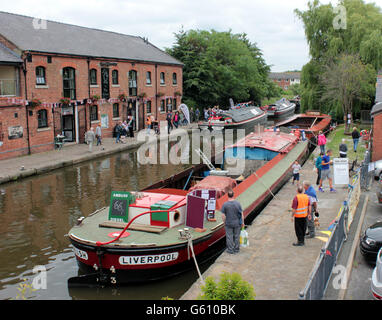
211 112
123 129
91 136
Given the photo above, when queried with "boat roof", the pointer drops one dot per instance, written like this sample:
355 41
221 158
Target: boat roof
244 113
270 140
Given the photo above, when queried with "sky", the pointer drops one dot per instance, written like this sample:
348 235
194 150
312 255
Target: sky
271 24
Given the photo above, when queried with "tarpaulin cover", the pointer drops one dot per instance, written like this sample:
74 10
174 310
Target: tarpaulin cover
221 184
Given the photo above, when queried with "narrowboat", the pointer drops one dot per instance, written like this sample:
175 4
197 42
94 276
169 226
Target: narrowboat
241 116
280 109
165 229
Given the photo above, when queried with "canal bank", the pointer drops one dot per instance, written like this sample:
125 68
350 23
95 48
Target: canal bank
277 269
25 166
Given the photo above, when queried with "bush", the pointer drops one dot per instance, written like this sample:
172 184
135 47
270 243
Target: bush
230 287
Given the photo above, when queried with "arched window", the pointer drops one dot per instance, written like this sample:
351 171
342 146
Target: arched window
148 78
174 79
40 76
162 79
114 77
42 118
69 83
133 83
93 76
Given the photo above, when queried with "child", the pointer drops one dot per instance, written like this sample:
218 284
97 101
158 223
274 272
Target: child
296 172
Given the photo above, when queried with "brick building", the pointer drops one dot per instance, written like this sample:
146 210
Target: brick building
285 79
59 78
376 115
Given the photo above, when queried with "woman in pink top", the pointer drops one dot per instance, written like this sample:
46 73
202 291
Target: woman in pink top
321 140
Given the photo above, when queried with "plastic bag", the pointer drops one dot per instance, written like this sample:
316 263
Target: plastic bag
244 242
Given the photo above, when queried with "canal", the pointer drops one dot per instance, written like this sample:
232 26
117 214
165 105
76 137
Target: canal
37 213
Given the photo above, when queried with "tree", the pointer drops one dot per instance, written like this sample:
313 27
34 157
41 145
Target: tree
219 66
362 35
346 80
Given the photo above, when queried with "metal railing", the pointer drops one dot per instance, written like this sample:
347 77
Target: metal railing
8 87
319 278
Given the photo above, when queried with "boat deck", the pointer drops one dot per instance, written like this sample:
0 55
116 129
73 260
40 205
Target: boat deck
89 232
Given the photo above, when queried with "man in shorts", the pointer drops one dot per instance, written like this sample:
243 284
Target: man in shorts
325 171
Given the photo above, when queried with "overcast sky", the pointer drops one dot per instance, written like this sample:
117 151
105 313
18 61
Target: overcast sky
271 24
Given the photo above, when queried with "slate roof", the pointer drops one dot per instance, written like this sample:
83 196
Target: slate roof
284 75
376 109
8 56
378 93
75 40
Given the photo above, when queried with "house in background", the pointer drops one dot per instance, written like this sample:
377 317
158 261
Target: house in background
285 79
376 115
57 78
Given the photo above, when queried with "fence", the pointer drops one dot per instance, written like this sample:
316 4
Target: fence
322 270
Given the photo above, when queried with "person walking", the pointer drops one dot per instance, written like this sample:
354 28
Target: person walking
325 171
118 132
130 126
89 138
233 219
197 114
321 141
296 172
169 121
98 134
318 166
311 193
175 120
148 124
300 211
355 135
343 148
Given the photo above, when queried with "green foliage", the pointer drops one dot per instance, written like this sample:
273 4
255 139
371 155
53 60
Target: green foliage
219 66
362 36
230 287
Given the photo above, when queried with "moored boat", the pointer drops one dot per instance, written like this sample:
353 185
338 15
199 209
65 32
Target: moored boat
280 109
241 116
312 122
155 233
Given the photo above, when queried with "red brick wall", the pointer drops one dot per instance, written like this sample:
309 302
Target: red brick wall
377 138
52 92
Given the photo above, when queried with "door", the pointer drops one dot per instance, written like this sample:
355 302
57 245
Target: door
105 83
68 127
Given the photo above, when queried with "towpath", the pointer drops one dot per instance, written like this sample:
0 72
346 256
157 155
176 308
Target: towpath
277 269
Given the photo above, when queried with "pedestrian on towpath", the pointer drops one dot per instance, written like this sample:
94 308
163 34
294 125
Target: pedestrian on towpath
300 211
90 138
296 167
355 135
343 148
311 193
233 219
325 171
318 166
321 141
98 134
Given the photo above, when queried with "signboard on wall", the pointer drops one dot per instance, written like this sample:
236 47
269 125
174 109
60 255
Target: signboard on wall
15 132
104 121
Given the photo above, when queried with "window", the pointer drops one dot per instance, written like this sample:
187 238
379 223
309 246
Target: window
42 118
69 83
40 76
148 77
114 77
174 80
93 76
162 109
115 110
132 83
148 107
93 113
174 103
162 79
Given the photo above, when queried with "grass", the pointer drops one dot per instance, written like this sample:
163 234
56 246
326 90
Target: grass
335 138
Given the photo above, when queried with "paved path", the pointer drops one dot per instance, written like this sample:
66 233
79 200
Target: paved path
275 268
25 166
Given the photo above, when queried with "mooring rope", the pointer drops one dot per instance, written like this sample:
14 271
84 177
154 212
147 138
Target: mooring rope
191 246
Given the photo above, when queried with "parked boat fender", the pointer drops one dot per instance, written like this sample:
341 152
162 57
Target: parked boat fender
244 242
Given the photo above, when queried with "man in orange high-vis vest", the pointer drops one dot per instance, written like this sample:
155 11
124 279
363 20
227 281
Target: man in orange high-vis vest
300 211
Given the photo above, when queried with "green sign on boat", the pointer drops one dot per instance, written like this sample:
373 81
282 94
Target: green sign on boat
119 206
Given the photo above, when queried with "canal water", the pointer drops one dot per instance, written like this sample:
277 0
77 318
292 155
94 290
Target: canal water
36 214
